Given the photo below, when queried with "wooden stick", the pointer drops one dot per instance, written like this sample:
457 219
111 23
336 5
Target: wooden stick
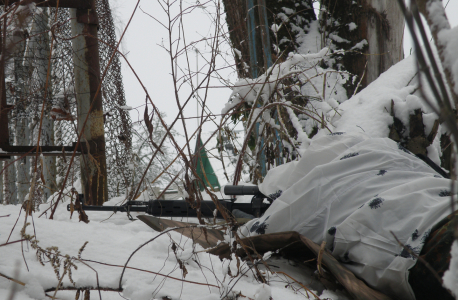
12 279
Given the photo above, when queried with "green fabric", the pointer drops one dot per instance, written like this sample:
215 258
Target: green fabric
201 159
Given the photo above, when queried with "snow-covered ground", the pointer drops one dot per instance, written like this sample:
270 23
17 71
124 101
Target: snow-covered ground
110 243
113 239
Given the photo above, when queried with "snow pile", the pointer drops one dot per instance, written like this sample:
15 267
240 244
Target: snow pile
369 111
352 26
260 89
451 276
449 38
308 78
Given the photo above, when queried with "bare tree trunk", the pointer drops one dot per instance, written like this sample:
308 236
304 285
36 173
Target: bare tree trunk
4 138
236 23
300 14
5 181
47 131
385 31
12 183
22 133
370 30
256 46
17 52
9 183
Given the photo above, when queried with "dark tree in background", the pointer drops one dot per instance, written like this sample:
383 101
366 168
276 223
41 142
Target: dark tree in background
371 32
291 16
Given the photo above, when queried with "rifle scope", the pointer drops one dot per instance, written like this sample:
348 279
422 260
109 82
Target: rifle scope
242 190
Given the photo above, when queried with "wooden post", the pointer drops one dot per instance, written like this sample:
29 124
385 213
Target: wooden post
89 102
87 78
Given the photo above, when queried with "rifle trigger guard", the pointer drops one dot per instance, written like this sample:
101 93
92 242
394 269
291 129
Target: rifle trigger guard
128 214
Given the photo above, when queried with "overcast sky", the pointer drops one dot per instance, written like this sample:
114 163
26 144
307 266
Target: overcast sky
143 46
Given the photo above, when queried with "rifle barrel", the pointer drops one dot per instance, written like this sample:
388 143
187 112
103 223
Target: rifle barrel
173 208
181 208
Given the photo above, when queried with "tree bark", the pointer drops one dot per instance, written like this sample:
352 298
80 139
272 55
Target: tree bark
290 15
385 37
375 27
238 34
47 131
22 133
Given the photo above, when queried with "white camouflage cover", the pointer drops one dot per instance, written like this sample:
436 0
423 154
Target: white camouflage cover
351 190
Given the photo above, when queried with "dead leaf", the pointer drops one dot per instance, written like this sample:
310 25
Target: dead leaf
150 127
59 114
183 268
82 215
42 177
72 209
320 257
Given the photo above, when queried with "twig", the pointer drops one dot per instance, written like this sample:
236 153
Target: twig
146 243
303 286
320 257
72 288
96 274
12 279
12 242
152 272
12 229
427 265
362 77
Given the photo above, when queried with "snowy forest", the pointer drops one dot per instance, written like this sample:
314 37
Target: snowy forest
295 152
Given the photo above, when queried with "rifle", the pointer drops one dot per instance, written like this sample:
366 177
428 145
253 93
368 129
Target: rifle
181 208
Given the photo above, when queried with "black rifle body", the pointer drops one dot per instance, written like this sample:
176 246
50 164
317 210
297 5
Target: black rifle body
181 208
